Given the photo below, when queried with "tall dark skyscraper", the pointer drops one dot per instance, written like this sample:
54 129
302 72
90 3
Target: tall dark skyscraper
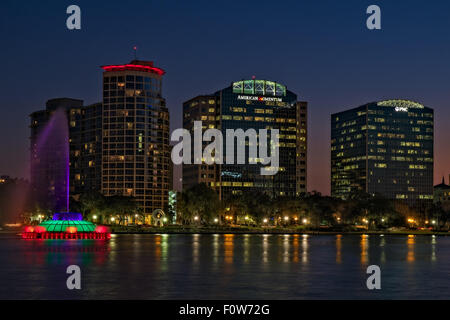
118 147
251 104
383 147
135 147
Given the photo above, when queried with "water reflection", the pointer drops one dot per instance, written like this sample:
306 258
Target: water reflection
364 248
433 248
246 248
228 244
410 242
305 248
265 247
286 248
195 248
338 248
66 252
226 266
383 245
295 244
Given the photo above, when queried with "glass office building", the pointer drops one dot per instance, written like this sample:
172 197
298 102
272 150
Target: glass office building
135 145
251 104
383 147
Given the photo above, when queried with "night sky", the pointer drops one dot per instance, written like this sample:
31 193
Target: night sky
320 50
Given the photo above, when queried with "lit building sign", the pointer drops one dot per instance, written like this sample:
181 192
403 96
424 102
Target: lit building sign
256 98
402 109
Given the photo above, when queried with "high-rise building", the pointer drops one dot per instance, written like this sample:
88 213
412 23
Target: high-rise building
118 147
135 146
383 147
251 104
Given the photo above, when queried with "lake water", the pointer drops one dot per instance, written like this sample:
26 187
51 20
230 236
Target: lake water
203 266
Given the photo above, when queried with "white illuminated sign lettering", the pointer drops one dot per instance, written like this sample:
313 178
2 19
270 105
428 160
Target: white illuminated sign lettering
403 109
256 98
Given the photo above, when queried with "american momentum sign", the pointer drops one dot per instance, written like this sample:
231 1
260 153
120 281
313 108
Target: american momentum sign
256 98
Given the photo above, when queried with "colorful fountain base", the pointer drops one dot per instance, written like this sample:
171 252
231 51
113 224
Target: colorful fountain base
66 225
66 235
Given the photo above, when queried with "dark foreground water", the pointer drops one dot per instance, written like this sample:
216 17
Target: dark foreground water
227 267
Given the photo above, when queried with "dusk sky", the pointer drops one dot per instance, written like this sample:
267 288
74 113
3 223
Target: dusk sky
320 50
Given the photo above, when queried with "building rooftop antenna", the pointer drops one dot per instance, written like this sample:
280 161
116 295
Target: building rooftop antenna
135 52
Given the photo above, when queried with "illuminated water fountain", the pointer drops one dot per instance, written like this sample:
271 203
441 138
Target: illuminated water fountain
52 165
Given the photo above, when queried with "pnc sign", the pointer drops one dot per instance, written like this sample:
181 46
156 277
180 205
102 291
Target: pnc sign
401 109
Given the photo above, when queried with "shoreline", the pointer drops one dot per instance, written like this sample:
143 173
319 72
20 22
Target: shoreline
257 231
275 231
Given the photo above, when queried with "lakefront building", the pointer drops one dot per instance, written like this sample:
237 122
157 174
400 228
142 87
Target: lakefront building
135 146
117 147
383 147
251 104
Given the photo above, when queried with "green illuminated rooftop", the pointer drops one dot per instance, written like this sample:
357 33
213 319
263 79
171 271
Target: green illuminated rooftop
61 225
259 87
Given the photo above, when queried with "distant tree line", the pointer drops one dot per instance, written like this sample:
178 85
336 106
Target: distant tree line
201 205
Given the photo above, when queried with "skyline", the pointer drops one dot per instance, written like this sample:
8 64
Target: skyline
328 85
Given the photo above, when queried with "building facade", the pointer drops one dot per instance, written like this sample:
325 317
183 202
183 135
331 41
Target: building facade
117 147
383 147
135 146
251 104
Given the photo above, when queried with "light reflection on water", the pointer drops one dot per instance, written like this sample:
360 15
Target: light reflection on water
228 266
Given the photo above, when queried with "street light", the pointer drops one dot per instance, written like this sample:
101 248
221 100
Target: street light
286 218
305 221
216 220
265 220
196 218
112 219
94 217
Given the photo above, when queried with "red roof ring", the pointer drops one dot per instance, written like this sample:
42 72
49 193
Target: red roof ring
134 67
